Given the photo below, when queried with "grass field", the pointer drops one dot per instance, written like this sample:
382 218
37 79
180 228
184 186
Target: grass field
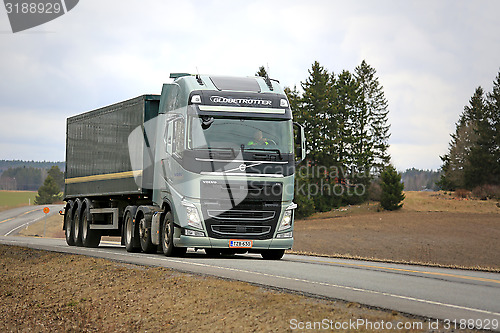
12 199
55 292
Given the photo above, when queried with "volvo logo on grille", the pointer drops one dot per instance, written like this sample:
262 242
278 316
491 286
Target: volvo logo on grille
242 167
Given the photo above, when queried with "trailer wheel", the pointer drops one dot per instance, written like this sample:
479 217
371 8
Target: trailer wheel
145 237
128 234
273 254
68 224
167 238
90 237
77 235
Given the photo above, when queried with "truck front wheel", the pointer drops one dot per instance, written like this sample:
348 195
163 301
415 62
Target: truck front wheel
167 238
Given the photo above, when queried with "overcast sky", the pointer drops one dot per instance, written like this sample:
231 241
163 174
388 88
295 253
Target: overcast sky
429 56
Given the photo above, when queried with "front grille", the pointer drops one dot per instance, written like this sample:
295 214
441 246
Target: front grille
247 220
240 230
243 215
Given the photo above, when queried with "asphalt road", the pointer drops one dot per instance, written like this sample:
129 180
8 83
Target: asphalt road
435 293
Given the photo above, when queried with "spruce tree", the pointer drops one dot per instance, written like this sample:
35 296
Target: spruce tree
48 193
373 121
471 161
315 114
346 120
481 161
57 175
392 189
303 181
261 72
493 111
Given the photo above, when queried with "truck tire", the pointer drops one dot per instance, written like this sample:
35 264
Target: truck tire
167 238
77 228
129 234
90 237
68 224
145 237
273 254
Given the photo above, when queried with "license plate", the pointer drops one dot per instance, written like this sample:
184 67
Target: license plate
240 244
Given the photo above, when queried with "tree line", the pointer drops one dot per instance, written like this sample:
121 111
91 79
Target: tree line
44 165
29 178
347 131
473 158
419 180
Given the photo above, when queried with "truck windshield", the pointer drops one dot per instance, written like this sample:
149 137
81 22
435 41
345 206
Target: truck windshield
223 133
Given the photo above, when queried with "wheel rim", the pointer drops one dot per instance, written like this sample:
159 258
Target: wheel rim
129 230
142 229
166 234
76 229
84 227
67 224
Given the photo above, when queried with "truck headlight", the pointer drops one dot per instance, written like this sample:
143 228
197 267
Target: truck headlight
193 218
286 220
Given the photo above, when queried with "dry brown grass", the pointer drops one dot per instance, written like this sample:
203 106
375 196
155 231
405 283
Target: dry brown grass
432 228
447 202
53 292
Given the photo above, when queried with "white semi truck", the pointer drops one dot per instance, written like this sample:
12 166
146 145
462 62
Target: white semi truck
208 164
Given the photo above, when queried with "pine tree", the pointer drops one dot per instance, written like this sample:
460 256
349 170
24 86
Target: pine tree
345 116
57 175
481 161
315 114
261 72
305 203
318 115
472 159
392 189
48 193
295 100
493 111
373 122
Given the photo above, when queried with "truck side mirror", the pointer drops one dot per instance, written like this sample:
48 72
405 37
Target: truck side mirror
300 143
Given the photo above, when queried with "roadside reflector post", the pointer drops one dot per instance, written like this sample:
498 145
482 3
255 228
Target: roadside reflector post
46 210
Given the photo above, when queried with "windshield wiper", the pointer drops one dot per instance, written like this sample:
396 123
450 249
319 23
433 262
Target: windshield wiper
263 149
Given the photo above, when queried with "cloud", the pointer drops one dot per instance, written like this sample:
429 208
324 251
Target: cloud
32 134
426 157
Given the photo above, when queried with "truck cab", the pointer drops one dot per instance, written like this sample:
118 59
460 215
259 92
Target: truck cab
227 164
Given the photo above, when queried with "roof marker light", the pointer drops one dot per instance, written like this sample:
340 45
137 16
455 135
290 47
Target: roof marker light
196 99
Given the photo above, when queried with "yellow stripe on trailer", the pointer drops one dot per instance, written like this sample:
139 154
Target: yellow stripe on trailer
106 176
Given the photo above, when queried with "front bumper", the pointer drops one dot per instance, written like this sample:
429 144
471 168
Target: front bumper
208 242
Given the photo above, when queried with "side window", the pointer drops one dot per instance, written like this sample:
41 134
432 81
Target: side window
178 148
